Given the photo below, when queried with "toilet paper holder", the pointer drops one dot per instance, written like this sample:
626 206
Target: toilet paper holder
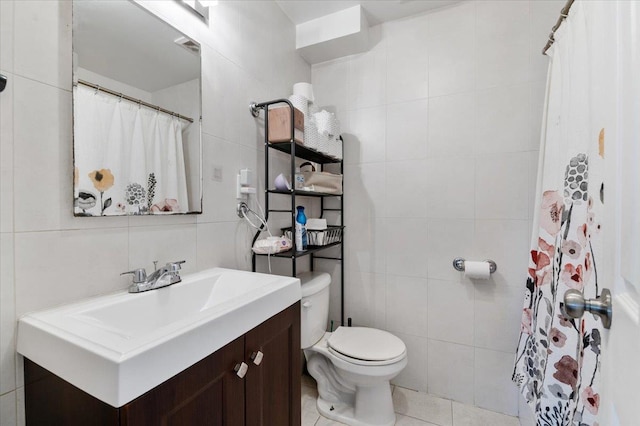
458 265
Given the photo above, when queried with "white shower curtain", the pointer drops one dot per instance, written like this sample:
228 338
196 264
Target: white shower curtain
128 159
558 360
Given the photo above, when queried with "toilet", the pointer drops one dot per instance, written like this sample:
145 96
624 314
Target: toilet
352 365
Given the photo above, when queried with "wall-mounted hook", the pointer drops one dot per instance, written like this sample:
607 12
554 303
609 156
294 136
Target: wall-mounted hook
254 109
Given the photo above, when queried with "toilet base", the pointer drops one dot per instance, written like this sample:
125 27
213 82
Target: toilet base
344 413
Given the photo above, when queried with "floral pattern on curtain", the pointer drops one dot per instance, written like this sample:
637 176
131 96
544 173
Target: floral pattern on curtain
558 358
557 367
129 159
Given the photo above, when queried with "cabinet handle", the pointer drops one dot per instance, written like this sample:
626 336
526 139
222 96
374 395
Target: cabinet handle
241 369
256 357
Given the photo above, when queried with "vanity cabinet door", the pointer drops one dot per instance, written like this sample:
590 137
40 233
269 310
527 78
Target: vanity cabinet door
207 393
49 400
273 385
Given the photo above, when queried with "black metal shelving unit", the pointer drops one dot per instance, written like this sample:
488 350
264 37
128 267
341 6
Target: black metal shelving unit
296 150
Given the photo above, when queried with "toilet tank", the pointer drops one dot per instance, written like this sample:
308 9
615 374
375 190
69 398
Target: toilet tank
314 313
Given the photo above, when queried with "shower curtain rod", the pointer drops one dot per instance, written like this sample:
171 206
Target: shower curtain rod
134 100
563 15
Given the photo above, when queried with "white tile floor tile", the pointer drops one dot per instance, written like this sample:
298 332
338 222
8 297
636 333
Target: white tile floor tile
423 406
410 421
467 415
412 409
310 413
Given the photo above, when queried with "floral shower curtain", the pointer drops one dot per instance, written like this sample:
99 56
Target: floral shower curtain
129 159
558 359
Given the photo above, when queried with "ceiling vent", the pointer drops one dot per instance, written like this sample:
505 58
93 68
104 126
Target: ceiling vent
188 44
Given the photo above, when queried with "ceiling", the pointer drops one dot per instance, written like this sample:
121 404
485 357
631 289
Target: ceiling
125 42
376 11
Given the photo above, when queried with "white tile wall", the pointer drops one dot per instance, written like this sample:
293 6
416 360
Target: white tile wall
330 84
368 184
6 155
7 315
55 267
414 375
456 137
450 370
8 415
407 126
452 61
367 243
42 153
502 190
407 60
51 258
502 36
406 189
366 294
525 414
6 37
493 388
452 129
423 407
412 294
404 246
446 240
495 133
498 312
504 241
365 139
367 79
41 42
450 187
451 311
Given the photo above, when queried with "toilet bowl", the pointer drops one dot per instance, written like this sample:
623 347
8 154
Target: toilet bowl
352 365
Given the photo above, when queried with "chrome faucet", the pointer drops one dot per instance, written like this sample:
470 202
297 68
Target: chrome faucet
166 275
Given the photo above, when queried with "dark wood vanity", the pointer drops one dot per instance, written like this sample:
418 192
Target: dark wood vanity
208 393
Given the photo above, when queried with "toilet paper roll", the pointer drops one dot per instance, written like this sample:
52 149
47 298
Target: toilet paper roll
304 89
301 103
477 270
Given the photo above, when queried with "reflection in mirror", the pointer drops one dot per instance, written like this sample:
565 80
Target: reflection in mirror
137 109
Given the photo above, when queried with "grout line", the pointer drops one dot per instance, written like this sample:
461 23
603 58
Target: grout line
452 420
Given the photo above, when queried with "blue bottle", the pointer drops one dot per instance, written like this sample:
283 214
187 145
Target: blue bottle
301 230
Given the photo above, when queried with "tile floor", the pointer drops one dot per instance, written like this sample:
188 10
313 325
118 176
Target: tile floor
412 409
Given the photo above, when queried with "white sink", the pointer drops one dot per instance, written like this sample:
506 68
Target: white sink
118 347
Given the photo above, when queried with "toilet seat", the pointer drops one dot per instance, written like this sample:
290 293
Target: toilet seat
366 346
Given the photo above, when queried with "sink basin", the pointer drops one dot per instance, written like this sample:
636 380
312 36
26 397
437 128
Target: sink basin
119 346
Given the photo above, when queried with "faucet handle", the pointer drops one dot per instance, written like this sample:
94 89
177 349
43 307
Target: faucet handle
175 266
139 275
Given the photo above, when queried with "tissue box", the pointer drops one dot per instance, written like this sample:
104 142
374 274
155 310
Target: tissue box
280 125
316 224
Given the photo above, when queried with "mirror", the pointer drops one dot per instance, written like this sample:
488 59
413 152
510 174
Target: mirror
137 113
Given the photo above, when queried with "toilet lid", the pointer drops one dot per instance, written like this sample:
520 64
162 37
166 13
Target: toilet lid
368 344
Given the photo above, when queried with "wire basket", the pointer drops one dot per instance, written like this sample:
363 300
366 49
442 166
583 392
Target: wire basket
331 235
